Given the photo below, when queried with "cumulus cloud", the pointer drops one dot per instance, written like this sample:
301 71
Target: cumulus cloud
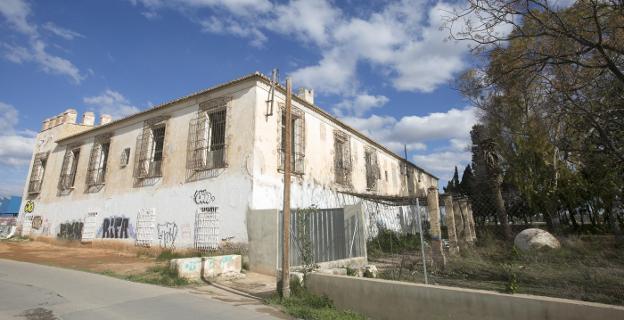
16 13
113 103
62 32
15 151
449 129
454 124
401 40
360 104
442 163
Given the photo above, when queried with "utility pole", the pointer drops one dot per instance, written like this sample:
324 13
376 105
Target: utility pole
286 208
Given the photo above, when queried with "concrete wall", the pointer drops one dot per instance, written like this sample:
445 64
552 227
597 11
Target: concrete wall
262 228
383 299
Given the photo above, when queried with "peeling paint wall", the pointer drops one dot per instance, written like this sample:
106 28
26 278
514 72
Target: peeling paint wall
169 211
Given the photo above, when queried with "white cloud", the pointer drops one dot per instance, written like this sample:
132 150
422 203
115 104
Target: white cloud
62 32
47 62
441 164
8 117
335 73
15 152
416 132
401 40
360 104
113 103
16 12
15 149
308 20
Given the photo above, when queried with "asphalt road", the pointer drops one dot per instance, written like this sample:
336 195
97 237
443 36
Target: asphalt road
36 292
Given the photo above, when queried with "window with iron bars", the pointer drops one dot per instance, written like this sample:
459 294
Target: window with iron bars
150 150
98 160
37 172
69 168
206 147
372 169
342 158
297 141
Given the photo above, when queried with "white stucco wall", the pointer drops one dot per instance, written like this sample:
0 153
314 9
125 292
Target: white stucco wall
251 181
171 197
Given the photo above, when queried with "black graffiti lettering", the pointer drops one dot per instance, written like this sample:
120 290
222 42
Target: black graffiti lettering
70 231
203 197
115 228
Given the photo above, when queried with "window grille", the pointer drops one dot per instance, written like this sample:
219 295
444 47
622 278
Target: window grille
98 160
372 169
125 157
342 158
297 141
69 168
206 147
149 152
37 173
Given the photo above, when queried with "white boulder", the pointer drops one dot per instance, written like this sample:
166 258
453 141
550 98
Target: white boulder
534 238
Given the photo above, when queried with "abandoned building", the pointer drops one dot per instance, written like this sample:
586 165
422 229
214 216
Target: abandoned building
206 169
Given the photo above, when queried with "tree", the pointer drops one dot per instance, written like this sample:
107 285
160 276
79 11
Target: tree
486 161
552 95
452 185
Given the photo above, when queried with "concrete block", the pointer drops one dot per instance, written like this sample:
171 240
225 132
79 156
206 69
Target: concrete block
211 267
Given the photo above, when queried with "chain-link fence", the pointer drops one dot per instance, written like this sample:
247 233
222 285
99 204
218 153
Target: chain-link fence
576 255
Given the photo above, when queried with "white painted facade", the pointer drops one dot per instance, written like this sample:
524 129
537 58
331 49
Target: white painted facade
250 181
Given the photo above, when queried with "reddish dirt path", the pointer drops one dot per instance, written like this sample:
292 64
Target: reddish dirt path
76 256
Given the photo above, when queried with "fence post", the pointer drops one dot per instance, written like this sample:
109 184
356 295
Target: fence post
433 207
450 223
459 223
473 231
463 204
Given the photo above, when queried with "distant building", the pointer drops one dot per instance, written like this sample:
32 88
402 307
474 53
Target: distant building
205 170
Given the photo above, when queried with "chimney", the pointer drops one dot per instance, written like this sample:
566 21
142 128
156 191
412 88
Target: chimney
306 94
46 125
88 119
105 118
69 116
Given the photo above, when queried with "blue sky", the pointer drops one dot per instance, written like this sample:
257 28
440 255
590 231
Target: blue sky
384 67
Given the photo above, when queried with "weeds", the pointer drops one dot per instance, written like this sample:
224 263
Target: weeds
304 305
160 275
586 267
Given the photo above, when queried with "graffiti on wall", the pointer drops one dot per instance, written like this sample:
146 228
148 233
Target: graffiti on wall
207 228
167 233
145 227
29 207
70 230
36 222
115 227
90 227
203 197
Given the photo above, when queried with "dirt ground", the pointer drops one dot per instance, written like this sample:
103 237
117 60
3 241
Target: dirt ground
74 255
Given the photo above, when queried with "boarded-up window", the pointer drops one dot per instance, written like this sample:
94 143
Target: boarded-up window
297 141
37 172
342 158
69 168
149 152
207 147
372 168
98 161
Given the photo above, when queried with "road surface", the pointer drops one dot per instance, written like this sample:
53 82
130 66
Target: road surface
36 292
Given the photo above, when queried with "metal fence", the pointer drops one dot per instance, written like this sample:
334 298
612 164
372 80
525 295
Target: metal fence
332 235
